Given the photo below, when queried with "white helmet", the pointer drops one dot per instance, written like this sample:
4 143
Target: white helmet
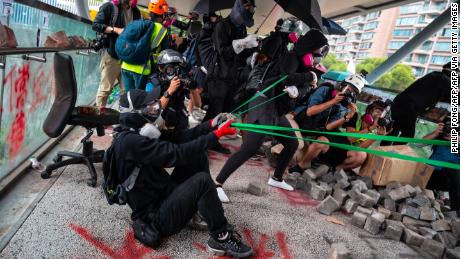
356 80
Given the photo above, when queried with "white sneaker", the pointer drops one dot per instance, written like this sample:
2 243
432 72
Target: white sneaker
281 185
222 196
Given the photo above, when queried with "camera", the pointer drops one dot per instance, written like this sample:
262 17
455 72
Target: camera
186 82
446 130
349 97
385 119
101 41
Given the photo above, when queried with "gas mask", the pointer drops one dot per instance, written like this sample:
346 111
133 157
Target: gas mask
242 14
169 71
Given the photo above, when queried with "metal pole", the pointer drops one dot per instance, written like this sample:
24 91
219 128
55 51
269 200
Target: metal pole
412 44
266 17
82 8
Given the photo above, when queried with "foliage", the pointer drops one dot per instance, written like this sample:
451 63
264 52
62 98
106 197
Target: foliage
332 63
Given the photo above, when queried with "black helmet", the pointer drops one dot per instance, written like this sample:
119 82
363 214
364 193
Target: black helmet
170 56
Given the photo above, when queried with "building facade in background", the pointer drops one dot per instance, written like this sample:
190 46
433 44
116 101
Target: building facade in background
380 34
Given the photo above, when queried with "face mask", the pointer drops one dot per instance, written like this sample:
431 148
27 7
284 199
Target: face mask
240 16
150 131
151 113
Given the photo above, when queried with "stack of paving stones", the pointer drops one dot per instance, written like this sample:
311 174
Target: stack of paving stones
399 212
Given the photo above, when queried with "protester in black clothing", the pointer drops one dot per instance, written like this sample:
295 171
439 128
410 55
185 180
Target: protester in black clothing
162 207
232 46
284 38
297 84
416 99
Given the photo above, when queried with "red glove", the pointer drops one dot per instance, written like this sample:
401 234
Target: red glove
225 129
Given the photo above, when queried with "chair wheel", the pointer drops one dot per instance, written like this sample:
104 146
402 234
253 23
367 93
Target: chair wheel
45 175
57 159
91 183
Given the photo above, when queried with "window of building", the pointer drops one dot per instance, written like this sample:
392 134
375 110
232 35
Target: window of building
421 19
365 45
340 40
427 45
442 46
371 25
405 9
402 32
446 32
396 44
422 59
408 58
439 60
367 36
373 15
362 55
417 30
419 71
406 21
440 6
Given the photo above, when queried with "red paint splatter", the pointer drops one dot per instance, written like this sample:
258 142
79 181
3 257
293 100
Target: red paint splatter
38 97
260 251
130 249
200 247
298 198
281 239
16 134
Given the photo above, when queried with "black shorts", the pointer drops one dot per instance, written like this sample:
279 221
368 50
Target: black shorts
334 156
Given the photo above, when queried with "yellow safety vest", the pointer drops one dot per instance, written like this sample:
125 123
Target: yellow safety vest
159 32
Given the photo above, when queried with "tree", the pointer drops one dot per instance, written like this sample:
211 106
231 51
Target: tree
398 79
332 63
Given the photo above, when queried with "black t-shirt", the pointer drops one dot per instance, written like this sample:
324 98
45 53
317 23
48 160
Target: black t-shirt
352 122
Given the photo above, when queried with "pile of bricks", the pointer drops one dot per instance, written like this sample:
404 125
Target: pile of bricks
399 212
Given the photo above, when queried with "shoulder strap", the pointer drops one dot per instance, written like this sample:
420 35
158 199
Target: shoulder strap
128 184
266 71
158 37
114 14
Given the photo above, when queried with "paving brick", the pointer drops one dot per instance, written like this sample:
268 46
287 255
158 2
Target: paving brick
256 188
419 200
363 210
366 200
304 185
339 251
429 194
427 213
394 232
321 170
328 178
291 179
396 216
410 211
374 222
317 192
393 185
413 238
390 204
375 195
339 175
418 190
450 215
440 225
385 212
358 219
310 175
427 232
447 239
354 194
437 206
433 247
452 253
417 223
359 185
411 190
327 187
389 222
399 194
340 195
350 206
328 205
368 181
455 225
342 184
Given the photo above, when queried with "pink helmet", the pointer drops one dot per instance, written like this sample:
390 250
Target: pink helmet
133 2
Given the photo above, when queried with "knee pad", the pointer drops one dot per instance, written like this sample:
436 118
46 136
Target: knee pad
147 234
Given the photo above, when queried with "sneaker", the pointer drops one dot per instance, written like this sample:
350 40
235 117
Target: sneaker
230 245
220 149
198 223
296 170
222 196
281 185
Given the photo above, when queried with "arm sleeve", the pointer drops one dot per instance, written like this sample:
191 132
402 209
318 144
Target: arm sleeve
223 42
318 97
182 136
102 19
159 153
181 25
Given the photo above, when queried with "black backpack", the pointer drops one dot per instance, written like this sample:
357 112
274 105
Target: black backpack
113 190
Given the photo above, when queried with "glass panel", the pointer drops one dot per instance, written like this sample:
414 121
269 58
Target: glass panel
28 85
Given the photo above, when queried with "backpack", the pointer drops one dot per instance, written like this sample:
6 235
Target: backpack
207 52
133 45
114 191
191 54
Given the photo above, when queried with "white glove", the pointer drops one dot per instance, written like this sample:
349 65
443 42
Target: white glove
292 91
315 78
249 42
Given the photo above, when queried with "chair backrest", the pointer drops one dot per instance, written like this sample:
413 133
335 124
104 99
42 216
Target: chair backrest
66 96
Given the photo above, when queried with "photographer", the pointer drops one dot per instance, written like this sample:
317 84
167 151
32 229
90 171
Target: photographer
416 99
173 70
328 109
161 205
109 23
445 179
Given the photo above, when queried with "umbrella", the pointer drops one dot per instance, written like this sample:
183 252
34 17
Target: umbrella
332 28
210 6
335 75
308 11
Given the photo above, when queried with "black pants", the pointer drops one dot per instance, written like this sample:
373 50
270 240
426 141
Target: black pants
447 180
181 173
220 94
404 114
198 193
252 143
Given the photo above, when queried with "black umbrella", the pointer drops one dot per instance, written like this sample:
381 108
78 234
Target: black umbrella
332 28
308 11
210 6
